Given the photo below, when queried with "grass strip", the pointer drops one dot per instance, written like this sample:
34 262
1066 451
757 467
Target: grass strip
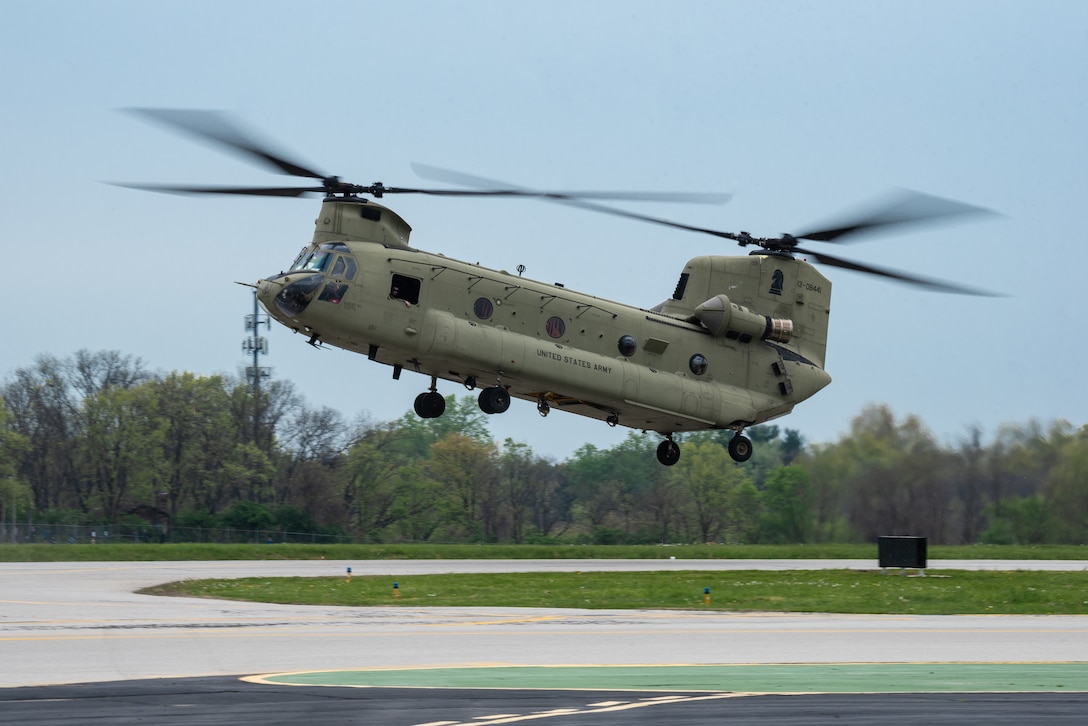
828 591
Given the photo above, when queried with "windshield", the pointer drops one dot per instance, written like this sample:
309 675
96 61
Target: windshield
317 260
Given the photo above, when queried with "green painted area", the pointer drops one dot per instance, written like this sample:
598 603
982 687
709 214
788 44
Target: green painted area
792 678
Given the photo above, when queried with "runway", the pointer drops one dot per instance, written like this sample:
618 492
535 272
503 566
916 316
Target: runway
82 623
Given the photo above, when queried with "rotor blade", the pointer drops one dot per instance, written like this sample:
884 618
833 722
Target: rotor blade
456 177
646 218
905 207
928 283
251 191
492 187
217 127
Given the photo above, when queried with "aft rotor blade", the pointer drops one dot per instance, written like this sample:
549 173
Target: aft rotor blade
218 127
493 187
905 207
646 218
928 283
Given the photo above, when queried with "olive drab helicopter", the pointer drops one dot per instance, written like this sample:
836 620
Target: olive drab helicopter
742 339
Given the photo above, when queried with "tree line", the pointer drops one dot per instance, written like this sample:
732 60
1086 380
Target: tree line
97 438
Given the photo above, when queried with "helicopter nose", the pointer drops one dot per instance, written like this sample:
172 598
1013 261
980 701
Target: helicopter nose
267 291
288 295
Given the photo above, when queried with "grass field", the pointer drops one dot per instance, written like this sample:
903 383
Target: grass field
181 552
843 591
838 591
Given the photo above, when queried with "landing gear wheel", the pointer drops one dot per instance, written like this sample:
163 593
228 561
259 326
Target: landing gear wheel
668 452
495 399
740 448
430 404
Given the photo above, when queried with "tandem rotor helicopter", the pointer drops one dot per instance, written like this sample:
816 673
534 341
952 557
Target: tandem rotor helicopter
742 339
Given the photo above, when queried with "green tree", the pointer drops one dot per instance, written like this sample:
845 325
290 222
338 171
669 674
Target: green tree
788 501
830 467
201 431
13 492
43 410
707 475
248 516
466 469
462 416
1067 487
44 405
531 489
973 473
900 480
384 490
118 447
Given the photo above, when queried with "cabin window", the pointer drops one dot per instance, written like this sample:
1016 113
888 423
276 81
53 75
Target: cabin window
627 346
405 288
698 364
555 327
483 308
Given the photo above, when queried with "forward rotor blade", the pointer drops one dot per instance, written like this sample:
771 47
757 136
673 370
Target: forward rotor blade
217 127
493 187
928 283
456 177
905 207
249 191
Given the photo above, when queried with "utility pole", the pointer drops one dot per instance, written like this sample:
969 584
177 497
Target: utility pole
256 345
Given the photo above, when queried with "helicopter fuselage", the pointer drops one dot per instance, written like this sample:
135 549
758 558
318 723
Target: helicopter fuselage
741 341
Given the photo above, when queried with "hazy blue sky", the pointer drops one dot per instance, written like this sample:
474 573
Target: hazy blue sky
800 109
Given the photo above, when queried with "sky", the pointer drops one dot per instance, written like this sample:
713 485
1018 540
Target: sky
803 111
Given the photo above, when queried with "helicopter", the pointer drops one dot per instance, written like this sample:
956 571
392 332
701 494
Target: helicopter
741 341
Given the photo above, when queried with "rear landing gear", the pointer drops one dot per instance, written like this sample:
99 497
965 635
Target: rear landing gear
494 399
740 448
668 452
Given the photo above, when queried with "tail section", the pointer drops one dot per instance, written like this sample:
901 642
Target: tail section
764 295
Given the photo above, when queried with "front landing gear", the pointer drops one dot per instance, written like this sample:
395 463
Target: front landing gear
740 448
430 404
668 452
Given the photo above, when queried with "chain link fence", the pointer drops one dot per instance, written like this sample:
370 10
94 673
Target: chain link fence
152 534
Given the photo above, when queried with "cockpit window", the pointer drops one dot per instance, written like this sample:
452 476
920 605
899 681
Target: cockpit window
343 268
334 292
317 262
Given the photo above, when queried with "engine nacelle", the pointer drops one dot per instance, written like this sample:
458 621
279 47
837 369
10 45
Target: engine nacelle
725 318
